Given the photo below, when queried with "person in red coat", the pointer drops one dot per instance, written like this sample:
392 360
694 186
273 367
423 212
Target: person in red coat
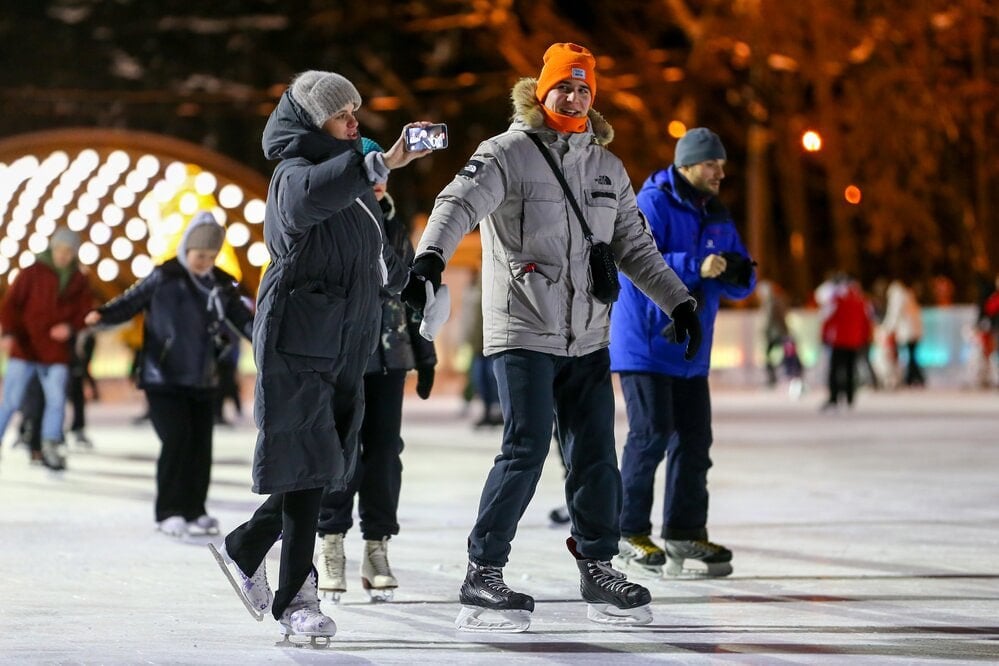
43 308
847 331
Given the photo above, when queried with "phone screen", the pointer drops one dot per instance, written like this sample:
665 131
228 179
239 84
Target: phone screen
430 137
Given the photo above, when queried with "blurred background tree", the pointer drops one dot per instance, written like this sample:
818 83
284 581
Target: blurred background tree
901 94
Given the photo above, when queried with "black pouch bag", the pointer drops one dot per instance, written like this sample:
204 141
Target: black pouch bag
604 283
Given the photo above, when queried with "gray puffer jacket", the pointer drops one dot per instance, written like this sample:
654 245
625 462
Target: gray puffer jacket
535 270
318 307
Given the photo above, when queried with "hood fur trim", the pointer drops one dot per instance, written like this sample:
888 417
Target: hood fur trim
527 109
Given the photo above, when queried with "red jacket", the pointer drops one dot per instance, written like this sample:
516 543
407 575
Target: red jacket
33 305
849 326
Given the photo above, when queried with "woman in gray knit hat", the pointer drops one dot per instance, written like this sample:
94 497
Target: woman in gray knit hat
318 314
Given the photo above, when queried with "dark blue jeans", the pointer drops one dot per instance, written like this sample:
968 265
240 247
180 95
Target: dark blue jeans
533 388
671 417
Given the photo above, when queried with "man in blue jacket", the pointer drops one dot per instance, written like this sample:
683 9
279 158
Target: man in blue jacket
667 398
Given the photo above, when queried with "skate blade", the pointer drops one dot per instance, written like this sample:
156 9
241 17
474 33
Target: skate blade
608 614
380 596
331 595
314 642
474 618
675 569
257 615
647 570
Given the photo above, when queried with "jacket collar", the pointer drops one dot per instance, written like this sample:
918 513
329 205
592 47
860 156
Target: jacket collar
527 115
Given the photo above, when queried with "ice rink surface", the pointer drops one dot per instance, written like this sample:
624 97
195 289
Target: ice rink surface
868 537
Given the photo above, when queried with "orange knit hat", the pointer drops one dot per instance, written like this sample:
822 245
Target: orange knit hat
566 60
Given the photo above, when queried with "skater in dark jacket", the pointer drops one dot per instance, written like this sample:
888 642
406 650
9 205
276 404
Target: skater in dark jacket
378 478
318 311
186 300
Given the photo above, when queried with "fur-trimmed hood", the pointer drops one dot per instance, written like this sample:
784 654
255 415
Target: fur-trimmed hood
527 110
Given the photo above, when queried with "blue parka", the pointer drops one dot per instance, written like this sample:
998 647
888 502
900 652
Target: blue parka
686 229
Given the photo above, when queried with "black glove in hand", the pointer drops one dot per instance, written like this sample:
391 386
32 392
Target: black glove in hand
426 267
424 381
685 326
738 269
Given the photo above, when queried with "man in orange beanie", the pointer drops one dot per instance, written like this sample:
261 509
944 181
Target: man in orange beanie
546 318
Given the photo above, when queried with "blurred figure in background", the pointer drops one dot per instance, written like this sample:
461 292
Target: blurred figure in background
377 480
83 346
228 368
186 301
777 335
846 331
481 375
903 320
40 312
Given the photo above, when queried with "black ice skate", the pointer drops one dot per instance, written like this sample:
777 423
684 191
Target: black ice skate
716 560
487 604
610 597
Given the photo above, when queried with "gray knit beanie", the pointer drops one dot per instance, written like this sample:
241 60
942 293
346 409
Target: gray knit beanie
698 145
322 94
65 237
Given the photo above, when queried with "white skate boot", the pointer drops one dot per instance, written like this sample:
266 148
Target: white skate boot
642 555
332 567
487 604
376 575
302 617
716 560
204 526
253 590
610 597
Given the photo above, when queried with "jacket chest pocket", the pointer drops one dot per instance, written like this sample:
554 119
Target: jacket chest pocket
543 209
313 320
601 213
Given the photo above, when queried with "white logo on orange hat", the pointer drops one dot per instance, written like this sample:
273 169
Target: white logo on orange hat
578 73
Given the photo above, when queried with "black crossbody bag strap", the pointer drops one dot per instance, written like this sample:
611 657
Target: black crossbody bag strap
565 186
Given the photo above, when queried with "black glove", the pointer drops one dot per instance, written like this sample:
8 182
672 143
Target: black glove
685 326
424 381
738 269
426 267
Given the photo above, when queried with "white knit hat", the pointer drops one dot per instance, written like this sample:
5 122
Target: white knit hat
322 94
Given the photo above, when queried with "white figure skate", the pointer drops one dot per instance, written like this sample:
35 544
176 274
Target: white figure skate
203 526
487 604
253 590
302 618
376 575
332 567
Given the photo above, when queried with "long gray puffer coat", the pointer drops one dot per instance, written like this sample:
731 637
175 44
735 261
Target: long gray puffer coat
318 308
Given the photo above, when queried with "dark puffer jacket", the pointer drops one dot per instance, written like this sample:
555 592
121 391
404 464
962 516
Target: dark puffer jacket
318 307
400 345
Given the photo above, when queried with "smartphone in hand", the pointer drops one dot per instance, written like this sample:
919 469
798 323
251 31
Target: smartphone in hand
428 137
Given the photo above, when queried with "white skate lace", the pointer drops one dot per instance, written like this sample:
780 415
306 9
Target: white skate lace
605 576
333 562
378 556
493 578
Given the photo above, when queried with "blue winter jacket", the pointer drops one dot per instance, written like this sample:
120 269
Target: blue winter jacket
686 232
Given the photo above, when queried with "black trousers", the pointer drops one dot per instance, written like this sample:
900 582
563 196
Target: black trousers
291 517
842 371
378 477
183 421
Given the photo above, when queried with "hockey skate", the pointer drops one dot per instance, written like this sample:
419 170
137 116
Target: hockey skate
332 567
611 599
642 555
376 575
253 590
302 618
204 526
716 560
487 604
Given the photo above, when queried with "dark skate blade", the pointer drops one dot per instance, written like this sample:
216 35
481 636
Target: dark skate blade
257 615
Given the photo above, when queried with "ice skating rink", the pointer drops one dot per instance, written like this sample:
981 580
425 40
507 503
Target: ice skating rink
870 537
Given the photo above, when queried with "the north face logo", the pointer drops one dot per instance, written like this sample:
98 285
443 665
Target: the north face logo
602 180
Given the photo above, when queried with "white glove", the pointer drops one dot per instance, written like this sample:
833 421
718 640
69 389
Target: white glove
436 311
